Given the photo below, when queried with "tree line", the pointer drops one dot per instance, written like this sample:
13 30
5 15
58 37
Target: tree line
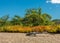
33 17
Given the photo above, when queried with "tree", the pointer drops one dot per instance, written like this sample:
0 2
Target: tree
16 20
34 17
47 19
3 20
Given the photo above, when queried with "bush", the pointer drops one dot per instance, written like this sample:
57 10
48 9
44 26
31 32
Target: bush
26 29
52 29
15 29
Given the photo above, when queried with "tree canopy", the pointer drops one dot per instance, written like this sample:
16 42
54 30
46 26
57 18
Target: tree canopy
33 17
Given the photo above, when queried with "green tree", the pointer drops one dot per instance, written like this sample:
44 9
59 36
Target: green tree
3 20
16 20
34 17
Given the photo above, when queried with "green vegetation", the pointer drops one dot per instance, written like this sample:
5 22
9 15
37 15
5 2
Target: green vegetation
33 19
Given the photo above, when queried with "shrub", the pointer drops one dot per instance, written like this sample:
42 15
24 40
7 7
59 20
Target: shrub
52 29
39 28
26 29
16 29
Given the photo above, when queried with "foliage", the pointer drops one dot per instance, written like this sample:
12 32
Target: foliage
33 21
34 17
4 20
25 29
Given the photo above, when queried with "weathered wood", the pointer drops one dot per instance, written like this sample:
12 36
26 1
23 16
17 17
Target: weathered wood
31 34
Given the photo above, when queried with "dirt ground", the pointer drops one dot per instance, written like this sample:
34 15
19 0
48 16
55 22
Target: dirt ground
22 38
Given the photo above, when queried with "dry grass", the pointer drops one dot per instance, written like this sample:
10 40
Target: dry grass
22 38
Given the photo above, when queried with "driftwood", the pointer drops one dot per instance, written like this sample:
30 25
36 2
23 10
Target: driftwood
31 34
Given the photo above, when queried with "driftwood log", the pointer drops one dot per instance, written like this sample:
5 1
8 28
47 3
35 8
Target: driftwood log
31 34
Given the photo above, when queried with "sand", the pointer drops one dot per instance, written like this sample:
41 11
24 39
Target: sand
22 38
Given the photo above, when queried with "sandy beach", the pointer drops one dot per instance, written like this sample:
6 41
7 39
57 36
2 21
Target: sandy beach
22 38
